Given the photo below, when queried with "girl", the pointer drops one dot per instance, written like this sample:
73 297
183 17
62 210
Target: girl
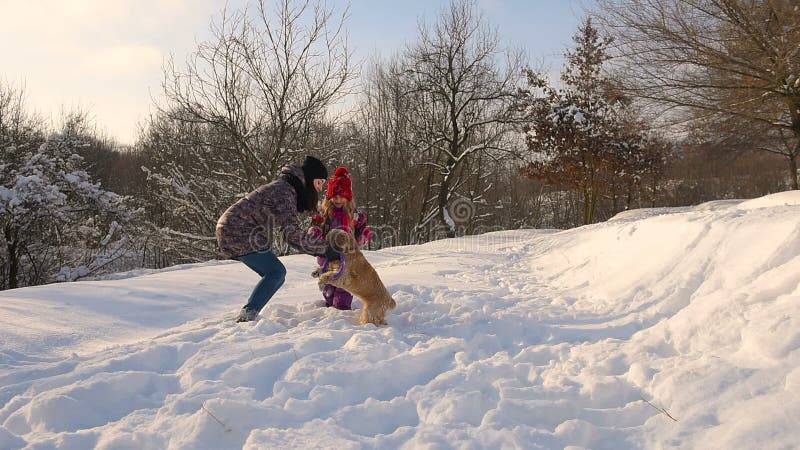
244 231
339 211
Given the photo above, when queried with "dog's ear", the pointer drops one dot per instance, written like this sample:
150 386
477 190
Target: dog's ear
342 241
338 240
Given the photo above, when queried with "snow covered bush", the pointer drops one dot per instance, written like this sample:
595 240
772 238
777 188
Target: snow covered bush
57 225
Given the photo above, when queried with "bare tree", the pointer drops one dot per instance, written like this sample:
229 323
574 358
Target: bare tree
266 78
254 96
721 59
385 169
298 70
392 177
462 86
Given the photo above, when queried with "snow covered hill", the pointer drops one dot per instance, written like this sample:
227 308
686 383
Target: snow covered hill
663 328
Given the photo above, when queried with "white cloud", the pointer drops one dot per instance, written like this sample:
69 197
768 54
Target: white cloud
102 54
123 60
53 18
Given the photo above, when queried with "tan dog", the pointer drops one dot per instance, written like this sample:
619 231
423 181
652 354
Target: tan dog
359 278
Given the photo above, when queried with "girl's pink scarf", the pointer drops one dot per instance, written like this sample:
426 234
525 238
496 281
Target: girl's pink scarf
340 219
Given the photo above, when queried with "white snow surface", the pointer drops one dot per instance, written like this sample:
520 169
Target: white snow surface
520 339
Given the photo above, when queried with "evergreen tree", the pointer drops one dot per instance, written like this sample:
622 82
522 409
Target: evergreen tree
582 135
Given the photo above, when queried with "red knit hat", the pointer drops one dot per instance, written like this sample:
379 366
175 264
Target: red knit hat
340 184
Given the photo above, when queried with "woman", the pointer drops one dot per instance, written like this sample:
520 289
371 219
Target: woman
244 231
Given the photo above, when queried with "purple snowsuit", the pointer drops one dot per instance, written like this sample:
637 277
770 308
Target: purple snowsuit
338 297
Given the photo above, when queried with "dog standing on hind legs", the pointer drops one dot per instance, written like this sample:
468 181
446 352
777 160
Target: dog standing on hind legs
358 278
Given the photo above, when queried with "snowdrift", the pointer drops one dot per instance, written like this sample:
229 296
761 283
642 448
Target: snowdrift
661 328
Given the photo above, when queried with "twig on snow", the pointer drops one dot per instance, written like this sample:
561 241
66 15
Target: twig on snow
215 418
659 409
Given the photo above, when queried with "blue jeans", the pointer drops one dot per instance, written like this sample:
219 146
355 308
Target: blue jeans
272 273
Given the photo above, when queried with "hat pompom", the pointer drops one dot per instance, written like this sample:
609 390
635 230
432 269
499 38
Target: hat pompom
340 184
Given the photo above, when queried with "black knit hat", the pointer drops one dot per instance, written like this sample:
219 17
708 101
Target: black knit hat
314 169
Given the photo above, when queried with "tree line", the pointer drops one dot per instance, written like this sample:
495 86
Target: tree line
659 103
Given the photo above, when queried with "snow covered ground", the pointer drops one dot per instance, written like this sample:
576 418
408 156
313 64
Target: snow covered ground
523 339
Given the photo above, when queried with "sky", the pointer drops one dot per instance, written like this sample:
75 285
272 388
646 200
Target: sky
106 56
